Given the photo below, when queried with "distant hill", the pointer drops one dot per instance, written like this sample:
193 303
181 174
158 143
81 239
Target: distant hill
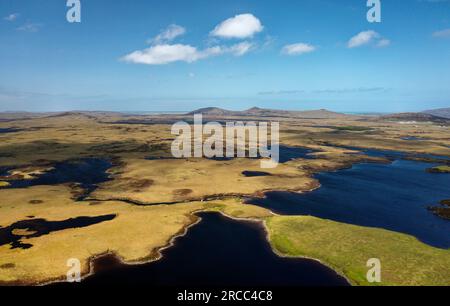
16 116
261 112
208 112
441 112
417 117
71 114
213 111
85 114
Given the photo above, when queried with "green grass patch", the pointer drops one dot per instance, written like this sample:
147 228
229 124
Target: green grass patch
440 169
347 248
4 184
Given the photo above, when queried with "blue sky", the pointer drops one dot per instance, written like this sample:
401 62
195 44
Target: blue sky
181 55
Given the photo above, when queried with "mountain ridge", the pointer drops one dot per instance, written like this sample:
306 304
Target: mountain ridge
262 112
439 112
415 117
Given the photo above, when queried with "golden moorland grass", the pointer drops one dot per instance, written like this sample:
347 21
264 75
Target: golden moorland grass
235 208
195 179
135 234
138 232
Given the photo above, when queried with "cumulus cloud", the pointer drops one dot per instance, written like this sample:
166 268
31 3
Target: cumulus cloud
366 38
165 54
11 17
239 26
162 51
298 49
169 34
442 34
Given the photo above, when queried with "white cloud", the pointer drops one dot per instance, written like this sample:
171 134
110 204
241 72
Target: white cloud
163 52
169 34
239 26
442 34
366 38
166 54
30 27
11 17
241 48
383 43
298 49
363 38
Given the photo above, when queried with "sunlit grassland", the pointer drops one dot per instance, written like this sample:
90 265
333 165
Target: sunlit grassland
347 248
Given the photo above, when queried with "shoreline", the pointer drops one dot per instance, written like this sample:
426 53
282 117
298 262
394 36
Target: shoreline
260 194
159 256
156 254
265 228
